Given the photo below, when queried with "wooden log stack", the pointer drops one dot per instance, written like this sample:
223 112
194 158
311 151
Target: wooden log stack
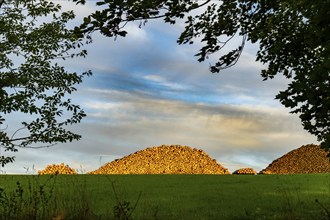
245 171
306 159
57 169
174 159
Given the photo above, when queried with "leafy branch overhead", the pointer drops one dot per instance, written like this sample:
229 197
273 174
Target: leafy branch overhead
293 39
32 81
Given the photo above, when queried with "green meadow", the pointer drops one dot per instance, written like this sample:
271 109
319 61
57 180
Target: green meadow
165 197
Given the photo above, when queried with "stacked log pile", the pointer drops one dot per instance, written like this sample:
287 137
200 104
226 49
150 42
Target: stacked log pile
245 171
57 169
174 159
306 159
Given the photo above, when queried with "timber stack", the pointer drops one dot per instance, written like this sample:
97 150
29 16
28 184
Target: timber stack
245 171
174 159
306 159
57 169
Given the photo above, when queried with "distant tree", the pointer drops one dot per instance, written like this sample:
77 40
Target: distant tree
33 36
293 38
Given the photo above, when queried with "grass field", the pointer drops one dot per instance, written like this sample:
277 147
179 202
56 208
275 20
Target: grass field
165 196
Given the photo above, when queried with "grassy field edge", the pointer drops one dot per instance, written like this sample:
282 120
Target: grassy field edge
169 196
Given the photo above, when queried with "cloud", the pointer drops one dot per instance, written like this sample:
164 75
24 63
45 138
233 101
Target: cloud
164 83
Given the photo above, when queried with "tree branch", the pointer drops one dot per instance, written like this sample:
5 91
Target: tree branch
201 5
161 16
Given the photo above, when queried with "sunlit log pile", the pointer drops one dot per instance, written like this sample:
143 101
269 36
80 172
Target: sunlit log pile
245 171
57 169
306 159
174 159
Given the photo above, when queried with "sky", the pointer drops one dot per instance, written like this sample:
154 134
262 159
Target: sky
146 90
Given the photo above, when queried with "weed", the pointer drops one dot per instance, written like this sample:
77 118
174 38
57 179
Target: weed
80 209
31 202
123 210
81 170
10 204
324 209
40 200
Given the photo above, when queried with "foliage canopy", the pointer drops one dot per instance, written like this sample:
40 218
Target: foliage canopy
33 36
293 38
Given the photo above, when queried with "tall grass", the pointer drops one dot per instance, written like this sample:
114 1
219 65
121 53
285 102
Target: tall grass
28 201
165 197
